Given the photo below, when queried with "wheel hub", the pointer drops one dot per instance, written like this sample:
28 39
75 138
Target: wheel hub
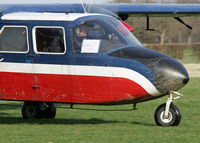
166 119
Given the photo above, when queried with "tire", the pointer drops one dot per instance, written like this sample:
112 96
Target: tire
174 117
31 110
50 110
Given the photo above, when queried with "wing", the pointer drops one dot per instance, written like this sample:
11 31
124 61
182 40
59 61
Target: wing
161 10
155 10
58 8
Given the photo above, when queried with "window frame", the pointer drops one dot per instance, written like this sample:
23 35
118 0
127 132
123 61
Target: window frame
34 40
14 26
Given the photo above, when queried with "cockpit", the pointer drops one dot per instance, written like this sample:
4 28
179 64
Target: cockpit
97 34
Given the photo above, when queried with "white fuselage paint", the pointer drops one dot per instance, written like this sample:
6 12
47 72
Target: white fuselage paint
100 71
45 16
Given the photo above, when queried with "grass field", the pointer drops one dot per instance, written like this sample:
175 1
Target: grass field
189 57
90 126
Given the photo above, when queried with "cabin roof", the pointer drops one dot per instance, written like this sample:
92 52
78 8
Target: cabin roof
44 16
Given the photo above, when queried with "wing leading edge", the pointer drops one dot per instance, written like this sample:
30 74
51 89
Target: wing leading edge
155 10
135 10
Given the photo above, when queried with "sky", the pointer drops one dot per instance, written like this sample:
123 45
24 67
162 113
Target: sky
50 1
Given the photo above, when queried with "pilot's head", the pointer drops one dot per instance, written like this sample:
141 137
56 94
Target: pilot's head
82 30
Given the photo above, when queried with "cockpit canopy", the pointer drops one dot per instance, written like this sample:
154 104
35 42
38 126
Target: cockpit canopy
96 34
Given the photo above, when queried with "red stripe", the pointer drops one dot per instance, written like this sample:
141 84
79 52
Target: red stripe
68 88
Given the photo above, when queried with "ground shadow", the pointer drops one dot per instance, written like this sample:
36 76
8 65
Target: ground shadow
143 124
20 120
90 109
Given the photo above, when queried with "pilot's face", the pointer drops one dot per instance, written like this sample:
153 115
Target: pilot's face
83 31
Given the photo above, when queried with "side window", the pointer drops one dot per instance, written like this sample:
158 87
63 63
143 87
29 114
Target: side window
49 40
13 39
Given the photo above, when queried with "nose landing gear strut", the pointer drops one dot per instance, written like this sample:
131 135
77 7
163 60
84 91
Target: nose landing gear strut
168 114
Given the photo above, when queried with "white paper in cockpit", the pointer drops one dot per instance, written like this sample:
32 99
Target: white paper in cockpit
90 46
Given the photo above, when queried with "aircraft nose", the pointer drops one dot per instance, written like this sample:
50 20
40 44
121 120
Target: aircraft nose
169 74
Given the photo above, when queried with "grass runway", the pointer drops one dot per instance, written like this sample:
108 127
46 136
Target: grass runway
91 126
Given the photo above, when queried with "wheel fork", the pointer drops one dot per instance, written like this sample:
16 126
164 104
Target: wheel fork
171 100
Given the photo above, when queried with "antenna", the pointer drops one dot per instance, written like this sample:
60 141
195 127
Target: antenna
83 6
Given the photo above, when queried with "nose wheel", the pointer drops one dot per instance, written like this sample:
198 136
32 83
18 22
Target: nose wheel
168 114
172 119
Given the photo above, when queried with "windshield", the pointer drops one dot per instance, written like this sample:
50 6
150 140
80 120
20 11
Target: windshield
96 34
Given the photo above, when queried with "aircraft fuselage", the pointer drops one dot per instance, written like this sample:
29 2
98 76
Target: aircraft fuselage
127 73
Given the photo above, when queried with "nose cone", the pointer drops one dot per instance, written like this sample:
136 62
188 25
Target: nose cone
169 74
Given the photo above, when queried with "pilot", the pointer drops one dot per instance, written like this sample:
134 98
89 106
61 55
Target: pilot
82 31
80 35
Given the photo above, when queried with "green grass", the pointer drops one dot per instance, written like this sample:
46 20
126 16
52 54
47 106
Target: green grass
91 126
189 56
